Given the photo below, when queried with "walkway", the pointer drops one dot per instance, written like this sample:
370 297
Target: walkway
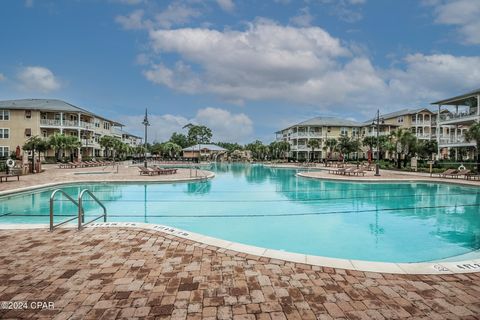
109 273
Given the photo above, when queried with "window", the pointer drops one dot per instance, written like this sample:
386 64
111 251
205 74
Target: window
355 132
4 133
106 126
4 115
400 119
344 131
44 133
28 114
4 152
28 132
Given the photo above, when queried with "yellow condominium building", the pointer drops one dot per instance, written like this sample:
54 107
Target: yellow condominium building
25 118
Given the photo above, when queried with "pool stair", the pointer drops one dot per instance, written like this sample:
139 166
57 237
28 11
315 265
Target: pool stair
79 204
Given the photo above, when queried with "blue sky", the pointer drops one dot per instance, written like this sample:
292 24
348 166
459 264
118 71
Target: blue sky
244 68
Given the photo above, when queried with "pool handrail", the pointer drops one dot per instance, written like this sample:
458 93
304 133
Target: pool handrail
52 199
81 216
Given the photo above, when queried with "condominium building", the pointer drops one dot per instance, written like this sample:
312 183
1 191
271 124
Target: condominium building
319 128
421 122
22 119
455 115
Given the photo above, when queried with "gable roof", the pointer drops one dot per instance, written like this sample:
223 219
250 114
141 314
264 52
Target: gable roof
47 105
459 99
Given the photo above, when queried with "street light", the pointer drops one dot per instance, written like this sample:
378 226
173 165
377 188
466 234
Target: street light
146 124
377 164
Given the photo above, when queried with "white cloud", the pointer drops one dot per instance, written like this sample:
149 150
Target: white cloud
226 5
345 10
176 14
29 3
304 66
464 14
36 78
132 21
226 126
303 18
2 77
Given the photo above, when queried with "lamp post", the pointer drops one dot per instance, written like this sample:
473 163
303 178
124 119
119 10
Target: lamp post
146 124
377 164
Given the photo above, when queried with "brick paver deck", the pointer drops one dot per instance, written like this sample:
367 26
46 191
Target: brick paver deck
108 273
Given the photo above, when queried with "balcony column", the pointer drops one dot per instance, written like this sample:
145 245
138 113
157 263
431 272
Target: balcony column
438 132
478 105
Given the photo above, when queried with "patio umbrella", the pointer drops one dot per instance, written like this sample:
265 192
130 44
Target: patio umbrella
17 152
369 156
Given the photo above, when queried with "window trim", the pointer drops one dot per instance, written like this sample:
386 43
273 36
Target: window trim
2 113
3 133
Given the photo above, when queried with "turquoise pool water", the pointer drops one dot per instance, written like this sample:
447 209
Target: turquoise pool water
261 206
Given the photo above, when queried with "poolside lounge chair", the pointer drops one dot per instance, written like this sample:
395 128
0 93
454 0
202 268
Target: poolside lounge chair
447 172
461 173
472 176
146 171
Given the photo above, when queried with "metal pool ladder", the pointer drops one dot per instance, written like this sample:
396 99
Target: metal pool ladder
79 204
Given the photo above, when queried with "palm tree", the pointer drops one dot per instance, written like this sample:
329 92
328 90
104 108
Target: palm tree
370 142
283 147
473 134
403 143
72 143
314 144
330 145
57 143
107 142
34 144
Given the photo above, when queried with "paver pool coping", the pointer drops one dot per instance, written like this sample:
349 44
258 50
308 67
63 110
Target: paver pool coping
434 268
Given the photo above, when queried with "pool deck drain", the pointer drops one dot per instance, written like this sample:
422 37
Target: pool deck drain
128 272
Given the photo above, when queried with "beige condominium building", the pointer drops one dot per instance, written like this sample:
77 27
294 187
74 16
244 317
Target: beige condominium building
421 122
25 118
455 115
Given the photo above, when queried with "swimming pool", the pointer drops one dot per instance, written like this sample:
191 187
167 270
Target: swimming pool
273 208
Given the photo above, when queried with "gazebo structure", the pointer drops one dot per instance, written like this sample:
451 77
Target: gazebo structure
204 151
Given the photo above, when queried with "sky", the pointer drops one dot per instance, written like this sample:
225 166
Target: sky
243 68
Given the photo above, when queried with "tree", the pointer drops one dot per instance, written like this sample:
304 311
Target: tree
313 144
179 139
283 148
71 143
370 142
473 134
230 146
198 134
57 143
35 144
402 142
258 149
108 143
330 145
426 148
172 150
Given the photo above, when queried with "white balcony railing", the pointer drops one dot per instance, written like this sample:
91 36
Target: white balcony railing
66 123
471 113
50 122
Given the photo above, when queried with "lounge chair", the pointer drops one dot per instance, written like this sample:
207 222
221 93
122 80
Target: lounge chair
6 176
472 176
461 173
146 171
447 172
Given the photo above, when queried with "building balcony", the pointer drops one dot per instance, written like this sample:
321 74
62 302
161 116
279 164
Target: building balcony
66 124
452 141
297 135
460 118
